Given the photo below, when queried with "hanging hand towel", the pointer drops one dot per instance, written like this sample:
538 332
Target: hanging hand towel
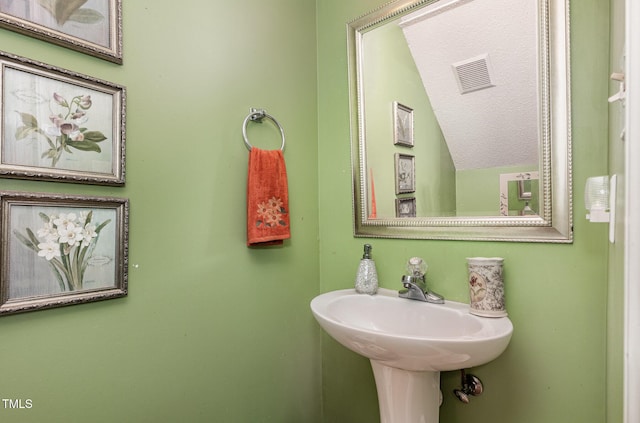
267 198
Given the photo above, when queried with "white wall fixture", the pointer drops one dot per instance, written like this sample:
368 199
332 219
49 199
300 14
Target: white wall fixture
621 94
596 198
600 201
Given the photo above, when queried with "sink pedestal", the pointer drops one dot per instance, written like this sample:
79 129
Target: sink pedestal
407 396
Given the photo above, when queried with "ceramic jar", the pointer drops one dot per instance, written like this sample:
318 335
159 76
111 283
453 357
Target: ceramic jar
486 286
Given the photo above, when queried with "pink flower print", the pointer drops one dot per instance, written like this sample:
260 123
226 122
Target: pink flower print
270 213
67 127
275 203
85 102
60 100
473 281
477 289
263 209
272 219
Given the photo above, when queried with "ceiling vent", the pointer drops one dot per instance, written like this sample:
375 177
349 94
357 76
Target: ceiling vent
473 74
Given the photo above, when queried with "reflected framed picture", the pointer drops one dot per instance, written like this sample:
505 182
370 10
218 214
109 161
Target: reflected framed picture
61 250
89 26
405 173
406 207
403 125
59 125
519 193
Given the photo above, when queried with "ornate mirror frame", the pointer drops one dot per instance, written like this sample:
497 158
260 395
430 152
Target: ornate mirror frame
554 223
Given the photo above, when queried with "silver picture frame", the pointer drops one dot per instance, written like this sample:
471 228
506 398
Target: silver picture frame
60 125
60 250
403 125
92 27
405 172
406 207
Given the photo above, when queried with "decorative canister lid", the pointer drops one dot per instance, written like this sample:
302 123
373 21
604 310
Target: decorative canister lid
485 260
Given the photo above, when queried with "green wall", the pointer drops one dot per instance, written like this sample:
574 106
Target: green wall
555 367
211 330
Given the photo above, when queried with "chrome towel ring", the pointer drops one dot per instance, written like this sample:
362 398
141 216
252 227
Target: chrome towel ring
256 115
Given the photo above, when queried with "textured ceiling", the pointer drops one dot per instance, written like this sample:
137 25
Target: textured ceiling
489 127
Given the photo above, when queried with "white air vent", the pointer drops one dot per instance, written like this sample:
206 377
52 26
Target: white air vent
473 74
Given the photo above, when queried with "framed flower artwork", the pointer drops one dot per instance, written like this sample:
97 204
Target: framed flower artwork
405 168
403 125
89 26
406 207
59 125
60 250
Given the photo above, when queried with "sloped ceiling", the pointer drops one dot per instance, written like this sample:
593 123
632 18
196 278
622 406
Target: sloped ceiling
489 127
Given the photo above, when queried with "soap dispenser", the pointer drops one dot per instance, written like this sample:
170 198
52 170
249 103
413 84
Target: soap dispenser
367 276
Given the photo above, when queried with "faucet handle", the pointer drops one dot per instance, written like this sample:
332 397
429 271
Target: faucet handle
417 266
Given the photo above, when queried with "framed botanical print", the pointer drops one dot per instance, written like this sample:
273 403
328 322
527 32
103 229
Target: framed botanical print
59 125
406 207
60 250
405 173
403 125
89 26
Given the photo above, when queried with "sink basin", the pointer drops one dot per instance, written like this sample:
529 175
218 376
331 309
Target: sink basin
411 335
409 343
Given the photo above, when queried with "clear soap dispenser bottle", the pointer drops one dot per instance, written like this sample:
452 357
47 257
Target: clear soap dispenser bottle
367 276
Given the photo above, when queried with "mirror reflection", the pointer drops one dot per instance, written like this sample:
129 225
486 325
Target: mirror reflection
454 96
457 93
517 194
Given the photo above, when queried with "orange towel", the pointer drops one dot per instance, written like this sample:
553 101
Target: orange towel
267 198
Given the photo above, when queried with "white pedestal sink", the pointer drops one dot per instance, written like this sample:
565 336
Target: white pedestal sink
409 343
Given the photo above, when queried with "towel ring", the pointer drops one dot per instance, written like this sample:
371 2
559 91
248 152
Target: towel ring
256 115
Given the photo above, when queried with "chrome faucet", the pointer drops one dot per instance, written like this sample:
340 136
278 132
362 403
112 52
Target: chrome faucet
415 284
